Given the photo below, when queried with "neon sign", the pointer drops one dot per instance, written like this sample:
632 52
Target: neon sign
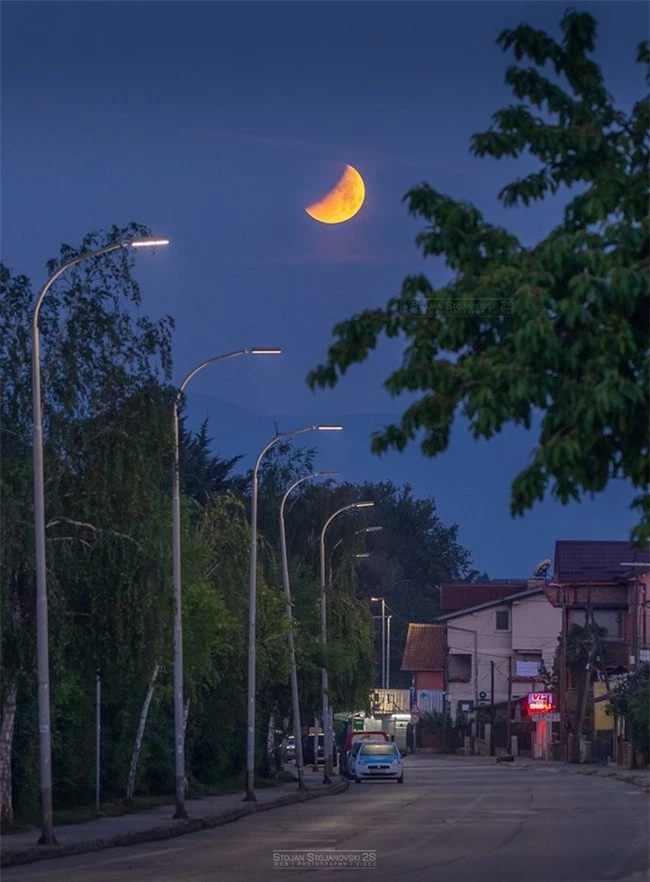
540 702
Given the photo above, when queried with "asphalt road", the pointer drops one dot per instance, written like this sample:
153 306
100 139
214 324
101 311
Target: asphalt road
448 822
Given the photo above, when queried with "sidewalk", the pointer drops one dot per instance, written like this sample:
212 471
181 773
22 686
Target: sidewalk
638 777
157 823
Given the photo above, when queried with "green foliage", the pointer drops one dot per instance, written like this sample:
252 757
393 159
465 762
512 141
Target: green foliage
558 330
432 723
108 462
632 699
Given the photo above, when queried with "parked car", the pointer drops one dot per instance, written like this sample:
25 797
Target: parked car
350 759
290 749
379 761
361 736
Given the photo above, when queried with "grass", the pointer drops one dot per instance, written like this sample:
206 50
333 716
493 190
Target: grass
118 807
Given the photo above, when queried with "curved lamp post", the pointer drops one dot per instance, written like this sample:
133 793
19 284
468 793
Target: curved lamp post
323 623
336 545
295 701
252 602
42 639
179 733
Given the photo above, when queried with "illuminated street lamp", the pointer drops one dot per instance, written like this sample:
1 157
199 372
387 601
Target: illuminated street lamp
376 529
179 728
323 619
295 701
252 605
42 639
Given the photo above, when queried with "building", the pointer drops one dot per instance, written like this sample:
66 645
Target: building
497 652
424 656
602 590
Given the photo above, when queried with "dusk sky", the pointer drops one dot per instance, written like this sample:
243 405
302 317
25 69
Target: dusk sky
216 124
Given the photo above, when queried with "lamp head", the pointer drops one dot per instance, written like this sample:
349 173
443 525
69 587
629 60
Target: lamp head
329 428
363 505
260 351
148 243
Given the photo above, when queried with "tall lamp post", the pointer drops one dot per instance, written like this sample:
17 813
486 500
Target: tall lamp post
323 621
179 727
252 605
295 701
388 618
383 638
42 638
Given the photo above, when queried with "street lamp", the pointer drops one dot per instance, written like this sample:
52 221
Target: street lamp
42 639
295 701
388 618
323 620
179 733
252 601
383 638
336 545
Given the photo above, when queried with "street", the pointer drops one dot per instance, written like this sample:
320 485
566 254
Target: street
451 821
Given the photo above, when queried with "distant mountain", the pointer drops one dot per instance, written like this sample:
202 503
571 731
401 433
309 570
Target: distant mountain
470 481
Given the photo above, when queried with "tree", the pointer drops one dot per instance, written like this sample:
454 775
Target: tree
557 331
107 436
203 474
631 699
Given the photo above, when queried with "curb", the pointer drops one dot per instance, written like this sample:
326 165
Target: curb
168 831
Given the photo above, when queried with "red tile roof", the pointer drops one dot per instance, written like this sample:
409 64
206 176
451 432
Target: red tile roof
425 648
455 596
594 561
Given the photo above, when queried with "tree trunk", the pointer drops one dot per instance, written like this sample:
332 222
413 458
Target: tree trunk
185 715
270 746
6 745
130 787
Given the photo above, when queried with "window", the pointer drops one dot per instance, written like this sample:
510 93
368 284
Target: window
527 664
503 620
379 749
610 621
460 667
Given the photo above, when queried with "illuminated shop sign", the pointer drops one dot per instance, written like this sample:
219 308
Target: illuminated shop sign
540 702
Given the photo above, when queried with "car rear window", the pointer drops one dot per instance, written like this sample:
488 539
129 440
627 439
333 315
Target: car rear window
379 749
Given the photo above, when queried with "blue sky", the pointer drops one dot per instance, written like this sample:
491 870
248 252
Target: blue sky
216 124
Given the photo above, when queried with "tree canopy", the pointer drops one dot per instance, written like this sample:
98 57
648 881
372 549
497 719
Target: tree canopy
557 331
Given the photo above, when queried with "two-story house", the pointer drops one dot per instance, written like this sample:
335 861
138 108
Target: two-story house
496 647
601 589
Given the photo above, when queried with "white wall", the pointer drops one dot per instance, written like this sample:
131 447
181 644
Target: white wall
534 626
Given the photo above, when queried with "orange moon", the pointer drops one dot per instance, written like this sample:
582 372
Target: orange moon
343 201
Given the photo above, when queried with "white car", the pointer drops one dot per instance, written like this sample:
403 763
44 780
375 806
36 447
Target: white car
377 760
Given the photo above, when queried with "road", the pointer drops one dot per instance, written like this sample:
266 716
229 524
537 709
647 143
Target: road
449 822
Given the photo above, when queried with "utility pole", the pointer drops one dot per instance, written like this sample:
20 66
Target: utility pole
564 716
491 708
589 644
509 720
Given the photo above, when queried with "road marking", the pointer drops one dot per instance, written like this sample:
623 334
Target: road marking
131 857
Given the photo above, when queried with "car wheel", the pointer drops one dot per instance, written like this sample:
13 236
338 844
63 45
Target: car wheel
357 780
400 780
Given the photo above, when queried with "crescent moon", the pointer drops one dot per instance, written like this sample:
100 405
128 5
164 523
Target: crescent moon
343 201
